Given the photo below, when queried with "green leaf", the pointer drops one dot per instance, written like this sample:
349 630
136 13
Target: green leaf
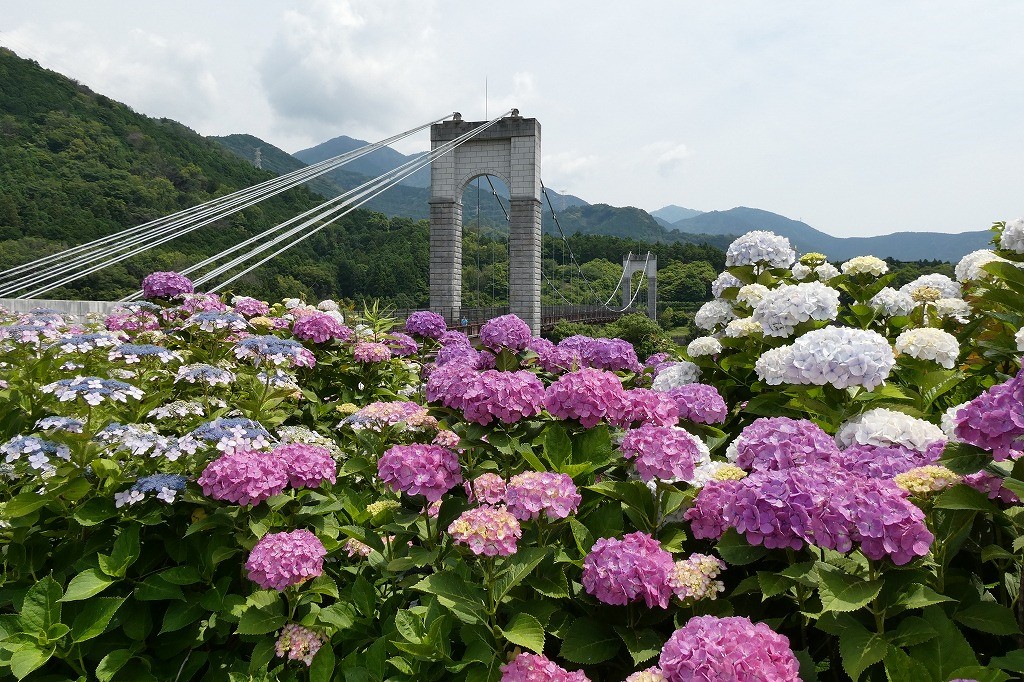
465 601
261 620
27 659
899 667
1013 661
920 596
157 588
557 446
589 641
24 504
94 617
913 630
772 584
642 645
860 650
515 569
963 458
41 607
526 631
180 614
126 551
584 539
736 551
965 497
990 617
86 584
339 615
322 668
364 596
945 653
843 592
111 663
96 510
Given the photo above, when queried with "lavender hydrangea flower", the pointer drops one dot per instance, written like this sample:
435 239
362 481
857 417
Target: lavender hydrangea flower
508 397
166 285
274 350
486 488
320 327
772 443
622 571
166 487
644 406
66 424
536 668
401 345
230 434
782 309
84 343
664 453
36 451
250 307
1011 237
892 303
204 374
133 353
368 352
714 314
280 560
699 403
725 280
587 395
760 247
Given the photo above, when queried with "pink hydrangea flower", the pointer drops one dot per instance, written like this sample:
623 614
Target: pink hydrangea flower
532 492
245 477
706 516
664 453
368 352
280 560
995 419
711 648
250 307
537 668
992 486
645 406
487 488
507 331
616 355
781 443
320 327
588 396
308 466
622 571
449 383
402 345
507 396
427 470
447 439
166 285
491 531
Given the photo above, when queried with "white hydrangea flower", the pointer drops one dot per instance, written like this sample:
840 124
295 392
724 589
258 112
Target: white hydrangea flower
292 303
782 309
1019 338
955 308
742 327
713 314
1012 238
928 343
886 428
843 357
969 267
801 271
775 366
704 345
676 374
725 280
865 265
948 422
826 271
706 472
751 294
328 306
760 247
893 303
947 287
336 315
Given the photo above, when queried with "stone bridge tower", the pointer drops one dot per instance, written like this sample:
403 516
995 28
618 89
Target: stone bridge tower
510 150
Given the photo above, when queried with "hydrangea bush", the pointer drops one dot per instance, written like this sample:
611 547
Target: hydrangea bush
823 486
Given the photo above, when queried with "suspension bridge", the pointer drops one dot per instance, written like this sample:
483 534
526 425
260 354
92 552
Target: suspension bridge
507 147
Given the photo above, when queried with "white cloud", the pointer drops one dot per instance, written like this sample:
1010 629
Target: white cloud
666 156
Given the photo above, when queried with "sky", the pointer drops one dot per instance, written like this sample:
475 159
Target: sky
859 118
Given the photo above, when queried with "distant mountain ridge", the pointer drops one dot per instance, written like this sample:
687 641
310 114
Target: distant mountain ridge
673 214
906 246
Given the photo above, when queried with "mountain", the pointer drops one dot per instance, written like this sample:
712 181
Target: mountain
907 246
371 165
673 214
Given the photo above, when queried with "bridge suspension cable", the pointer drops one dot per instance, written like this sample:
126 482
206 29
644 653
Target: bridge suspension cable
154 233
376 186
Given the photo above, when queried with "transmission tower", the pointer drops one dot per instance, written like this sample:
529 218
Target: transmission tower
258 158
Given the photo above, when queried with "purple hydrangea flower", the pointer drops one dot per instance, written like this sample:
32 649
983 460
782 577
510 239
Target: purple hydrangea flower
877 461
780 443
280 560
734 648
307 466
250 307
622 571
427 470
402 345
615 355
426 324
700 403
507 331
664 453
166 285
645 406
537 668
995 419
449 383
